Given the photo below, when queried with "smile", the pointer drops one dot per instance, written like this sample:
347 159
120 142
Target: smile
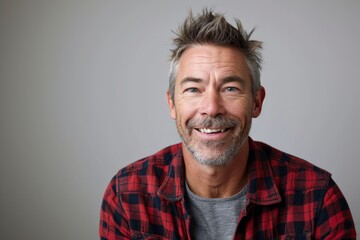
210 130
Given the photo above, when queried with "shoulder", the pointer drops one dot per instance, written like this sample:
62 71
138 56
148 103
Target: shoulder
146 174
162 158
305 190
290 171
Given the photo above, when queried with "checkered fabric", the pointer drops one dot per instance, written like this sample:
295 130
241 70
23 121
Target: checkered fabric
288 198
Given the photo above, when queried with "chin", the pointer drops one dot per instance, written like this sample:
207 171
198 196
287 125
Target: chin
213 162
214 158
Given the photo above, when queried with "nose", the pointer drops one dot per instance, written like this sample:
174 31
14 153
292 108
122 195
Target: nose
212 104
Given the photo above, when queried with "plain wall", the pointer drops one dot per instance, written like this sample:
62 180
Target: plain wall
82 94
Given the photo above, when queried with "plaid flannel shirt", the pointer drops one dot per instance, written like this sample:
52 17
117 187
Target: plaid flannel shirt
288 198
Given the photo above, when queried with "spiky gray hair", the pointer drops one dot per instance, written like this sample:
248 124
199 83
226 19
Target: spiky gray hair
212 29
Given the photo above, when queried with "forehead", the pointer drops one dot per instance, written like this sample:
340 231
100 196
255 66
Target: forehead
205 61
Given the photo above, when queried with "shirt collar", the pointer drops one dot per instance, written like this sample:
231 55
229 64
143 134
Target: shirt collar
173 186
262 187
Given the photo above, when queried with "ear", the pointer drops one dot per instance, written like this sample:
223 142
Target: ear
171 105
258 102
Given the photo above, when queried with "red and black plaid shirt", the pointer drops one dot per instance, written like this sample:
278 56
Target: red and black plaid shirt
288 198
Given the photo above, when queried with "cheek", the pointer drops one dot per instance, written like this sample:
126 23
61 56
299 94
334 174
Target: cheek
241 109
185 110
182 116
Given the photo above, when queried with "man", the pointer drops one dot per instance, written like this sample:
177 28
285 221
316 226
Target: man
219 183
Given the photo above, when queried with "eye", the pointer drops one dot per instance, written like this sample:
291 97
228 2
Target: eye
191 90
231 89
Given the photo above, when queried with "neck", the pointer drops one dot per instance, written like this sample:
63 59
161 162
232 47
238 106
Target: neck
217 182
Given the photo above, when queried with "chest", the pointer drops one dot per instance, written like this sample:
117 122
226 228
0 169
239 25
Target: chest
153 218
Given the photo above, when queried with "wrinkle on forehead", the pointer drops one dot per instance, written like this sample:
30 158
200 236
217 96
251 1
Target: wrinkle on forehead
213 60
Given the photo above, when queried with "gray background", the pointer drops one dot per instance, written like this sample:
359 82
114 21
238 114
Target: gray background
82 94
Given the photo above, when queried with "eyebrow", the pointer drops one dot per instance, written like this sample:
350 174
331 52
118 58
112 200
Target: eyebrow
190 79
234 78
228 79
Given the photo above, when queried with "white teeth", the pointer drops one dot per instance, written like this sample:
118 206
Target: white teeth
208 130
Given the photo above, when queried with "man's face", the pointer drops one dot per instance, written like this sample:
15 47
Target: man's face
213 103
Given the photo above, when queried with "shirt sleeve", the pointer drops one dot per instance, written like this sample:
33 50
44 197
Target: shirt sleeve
335 220
113 221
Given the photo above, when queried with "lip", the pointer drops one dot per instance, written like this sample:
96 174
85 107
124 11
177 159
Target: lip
213 136
211 130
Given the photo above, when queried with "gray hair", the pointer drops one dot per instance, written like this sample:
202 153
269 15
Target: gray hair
213 29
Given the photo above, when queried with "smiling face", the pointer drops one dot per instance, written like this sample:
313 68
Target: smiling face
213 103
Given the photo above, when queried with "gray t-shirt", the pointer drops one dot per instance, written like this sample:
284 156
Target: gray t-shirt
215 218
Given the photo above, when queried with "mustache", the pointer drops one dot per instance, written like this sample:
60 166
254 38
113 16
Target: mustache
212 122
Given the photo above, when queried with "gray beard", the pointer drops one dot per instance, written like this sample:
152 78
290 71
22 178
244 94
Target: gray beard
222 159
226 155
